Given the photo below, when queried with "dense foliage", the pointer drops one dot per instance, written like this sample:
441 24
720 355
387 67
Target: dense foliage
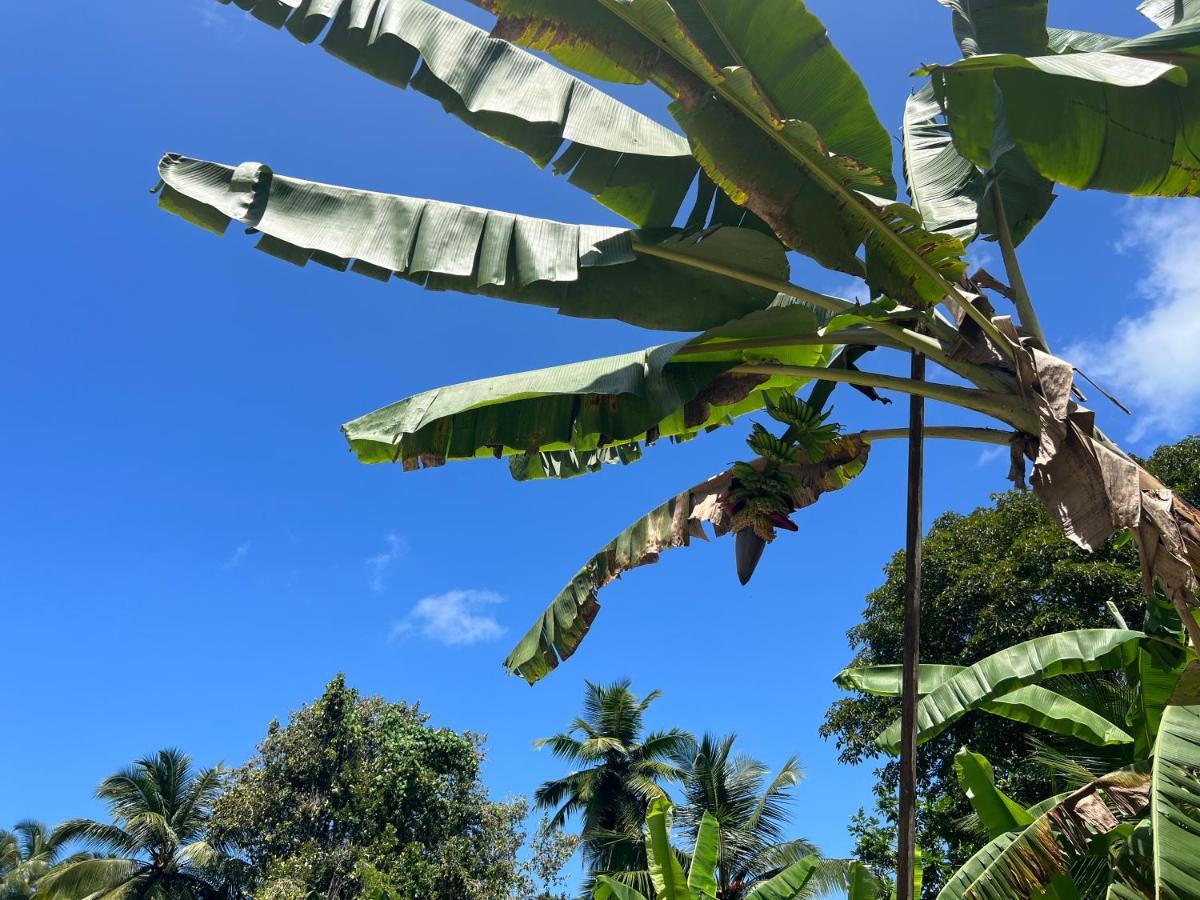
992 578
355 796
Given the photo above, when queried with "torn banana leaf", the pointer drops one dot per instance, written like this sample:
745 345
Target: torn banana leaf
950 192
561 628
1034 860
581 270
626 160
1107 120
673 390
1032 705
1065 653
776 117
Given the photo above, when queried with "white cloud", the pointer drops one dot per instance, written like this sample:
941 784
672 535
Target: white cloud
235 559
378 565
990 455
1151 359
455 618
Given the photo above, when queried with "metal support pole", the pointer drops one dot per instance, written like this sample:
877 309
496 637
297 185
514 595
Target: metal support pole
906 845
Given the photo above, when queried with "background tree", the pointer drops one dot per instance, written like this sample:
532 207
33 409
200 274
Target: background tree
357 797
156 844
621 770
998 576
750 804
27 853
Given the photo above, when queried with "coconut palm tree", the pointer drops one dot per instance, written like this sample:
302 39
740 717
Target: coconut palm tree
27 853
752 813
620 772
155 846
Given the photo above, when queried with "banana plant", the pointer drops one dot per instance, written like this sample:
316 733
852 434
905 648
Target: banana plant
1131 831
778 144
670 882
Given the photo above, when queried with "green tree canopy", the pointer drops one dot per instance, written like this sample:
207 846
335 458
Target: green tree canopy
157 844
361 798
620 770
998 576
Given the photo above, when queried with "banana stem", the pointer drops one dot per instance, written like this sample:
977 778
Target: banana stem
906 337
1012 266
1000 406
946 432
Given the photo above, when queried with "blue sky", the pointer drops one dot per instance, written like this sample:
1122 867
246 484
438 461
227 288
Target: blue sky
187 550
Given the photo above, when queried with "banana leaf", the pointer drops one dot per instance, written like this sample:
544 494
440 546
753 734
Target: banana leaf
1034 859
950 192
1032 705
626 160
1175 802
1110 120
673 390
790 884
560 629
998 812
775 116
1065 653
581 270
666 873
999 26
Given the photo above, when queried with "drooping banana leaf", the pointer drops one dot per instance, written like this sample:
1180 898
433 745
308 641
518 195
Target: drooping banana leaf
998 812
1109 120
790 884
1065 653
629 162
999 26
580 270
1175 802
1035 859
667 391
1165 13
561 628
950 192
774 114
1032 705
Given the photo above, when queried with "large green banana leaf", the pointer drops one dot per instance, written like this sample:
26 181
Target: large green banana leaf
1175 803
1065 653
580 270
668 391
560 629
702 873
950 192
666 873
1034 859
789 884
776 117
625 159
1032 705
611 889
1113 120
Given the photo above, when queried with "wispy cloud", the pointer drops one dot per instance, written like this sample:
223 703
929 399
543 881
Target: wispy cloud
454 619
379 564
1150 360
235 558
990 455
